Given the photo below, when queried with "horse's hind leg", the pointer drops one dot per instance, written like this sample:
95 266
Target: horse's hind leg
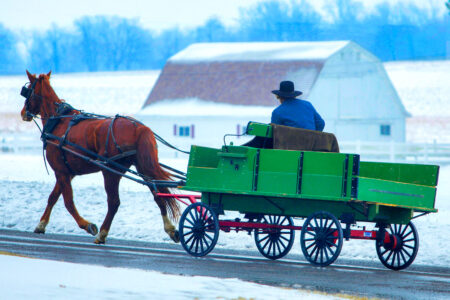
112 192
52 198
169 228
67 192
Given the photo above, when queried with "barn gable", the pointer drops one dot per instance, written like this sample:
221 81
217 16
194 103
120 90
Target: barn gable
241 73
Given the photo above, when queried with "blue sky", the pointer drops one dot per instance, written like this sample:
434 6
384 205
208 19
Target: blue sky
154 14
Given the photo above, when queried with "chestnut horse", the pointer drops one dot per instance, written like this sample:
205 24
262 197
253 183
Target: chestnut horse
94 134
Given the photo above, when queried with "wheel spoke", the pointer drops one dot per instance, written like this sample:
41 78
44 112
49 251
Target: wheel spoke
208 236
193 218
404 237
406 252
321 255
331 250
206 242
403 232
313 251
390 253
187 233
403 257
393 258
330 243
265 245
285 238
325 250
192 244
311 233
409 240
317 253
265 238
310 245
190 222
189 239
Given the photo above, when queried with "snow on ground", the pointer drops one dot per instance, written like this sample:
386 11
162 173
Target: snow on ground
23 200
30 278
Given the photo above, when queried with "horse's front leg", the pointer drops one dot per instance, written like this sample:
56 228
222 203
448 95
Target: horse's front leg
67 192
52 198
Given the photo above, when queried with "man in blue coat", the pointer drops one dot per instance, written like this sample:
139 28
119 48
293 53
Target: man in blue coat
295 112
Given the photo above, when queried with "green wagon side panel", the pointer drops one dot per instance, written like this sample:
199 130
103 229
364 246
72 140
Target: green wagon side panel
407 173
203 157
278 172
323 174
385 192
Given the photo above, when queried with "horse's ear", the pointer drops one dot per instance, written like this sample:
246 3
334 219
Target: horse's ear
31 77
48 74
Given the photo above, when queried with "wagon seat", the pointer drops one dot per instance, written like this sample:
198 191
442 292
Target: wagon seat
291 138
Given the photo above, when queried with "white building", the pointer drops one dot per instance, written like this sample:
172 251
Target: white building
233 81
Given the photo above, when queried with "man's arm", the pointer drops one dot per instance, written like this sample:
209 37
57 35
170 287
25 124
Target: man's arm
275 118
320 123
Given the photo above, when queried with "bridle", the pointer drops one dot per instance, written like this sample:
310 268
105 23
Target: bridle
28 93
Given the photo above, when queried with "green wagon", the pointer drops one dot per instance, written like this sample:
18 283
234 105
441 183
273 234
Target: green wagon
273 179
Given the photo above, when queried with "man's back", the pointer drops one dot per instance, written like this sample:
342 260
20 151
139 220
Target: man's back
297 113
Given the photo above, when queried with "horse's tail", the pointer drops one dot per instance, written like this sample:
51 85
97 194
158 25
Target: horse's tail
147 164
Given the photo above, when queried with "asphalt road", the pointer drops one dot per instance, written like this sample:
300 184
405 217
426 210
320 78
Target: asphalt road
349 277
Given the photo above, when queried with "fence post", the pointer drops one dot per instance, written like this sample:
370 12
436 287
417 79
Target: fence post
392 151
426 152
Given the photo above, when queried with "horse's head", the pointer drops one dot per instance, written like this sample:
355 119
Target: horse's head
34 93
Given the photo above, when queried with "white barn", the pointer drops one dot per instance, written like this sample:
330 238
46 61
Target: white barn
232 82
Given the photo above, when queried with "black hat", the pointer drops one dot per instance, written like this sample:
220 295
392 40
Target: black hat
287 90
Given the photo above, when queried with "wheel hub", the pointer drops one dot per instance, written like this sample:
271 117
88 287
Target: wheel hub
198 230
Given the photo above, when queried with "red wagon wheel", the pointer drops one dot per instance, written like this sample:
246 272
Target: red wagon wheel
274 243
400 249
321 238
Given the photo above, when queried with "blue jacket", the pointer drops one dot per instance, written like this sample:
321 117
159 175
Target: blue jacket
298 113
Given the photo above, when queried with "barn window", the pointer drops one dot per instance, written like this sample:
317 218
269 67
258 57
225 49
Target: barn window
184 131
385 129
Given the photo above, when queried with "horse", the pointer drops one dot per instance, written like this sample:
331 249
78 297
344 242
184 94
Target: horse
104 136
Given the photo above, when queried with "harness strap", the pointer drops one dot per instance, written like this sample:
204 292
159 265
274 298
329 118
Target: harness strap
111 133
61 144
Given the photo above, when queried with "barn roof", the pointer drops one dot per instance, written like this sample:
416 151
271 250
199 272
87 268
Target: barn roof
241 73
266 51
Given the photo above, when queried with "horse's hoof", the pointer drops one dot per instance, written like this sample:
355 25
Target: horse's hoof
175 236
92 229
101 237
39 230
98 242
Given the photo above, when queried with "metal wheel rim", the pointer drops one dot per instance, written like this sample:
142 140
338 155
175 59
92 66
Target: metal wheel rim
199 229
321 238
403 256
275 244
